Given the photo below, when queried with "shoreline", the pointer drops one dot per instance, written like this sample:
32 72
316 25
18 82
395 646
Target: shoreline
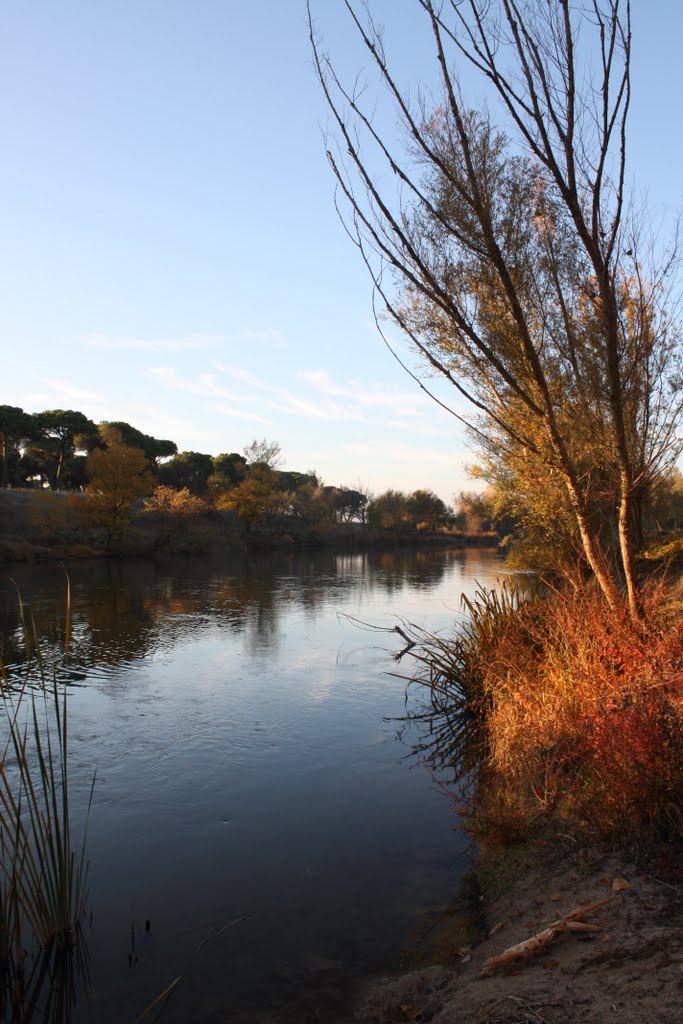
629 968
37 527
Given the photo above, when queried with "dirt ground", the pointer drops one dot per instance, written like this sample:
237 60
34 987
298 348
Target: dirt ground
629 971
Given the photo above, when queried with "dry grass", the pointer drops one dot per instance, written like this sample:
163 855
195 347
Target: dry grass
578 712
586 721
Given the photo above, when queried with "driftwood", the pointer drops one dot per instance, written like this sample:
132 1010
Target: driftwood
538 943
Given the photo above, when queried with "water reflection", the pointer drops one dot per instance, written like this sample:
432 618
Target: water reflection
47 987
247 763
127 611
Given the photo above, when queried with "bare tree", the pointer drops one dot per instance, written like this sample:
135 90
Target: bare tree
264 453
511 255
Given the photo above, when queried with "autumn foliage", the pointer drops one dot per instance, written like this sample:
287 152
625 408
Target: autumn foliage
551 711
176 510
583 717
118 477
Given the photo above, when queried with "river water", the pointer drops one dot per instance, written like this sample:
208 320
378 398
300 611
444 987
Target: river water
248 768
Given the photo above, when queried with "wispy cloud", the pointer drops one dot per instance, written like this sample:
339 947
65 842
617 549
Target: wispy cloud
405 403
74 394
159 422
239 414
268 336
283 400
242 375
317 396
204 384
404 454
191 342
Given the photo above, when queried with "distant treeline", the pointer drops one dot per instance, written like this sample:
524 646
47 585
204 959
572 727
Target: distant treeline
119 475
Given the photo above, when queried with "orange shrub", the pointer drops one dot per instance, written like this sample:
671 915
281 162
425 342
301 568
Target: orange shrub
585 721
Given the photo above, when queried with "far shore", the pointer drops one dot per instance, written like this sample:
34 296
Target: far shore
46 526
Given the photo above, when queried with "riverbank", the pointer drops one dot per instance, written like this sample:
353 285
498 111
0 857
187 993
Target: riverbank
45 526
572 716
630 968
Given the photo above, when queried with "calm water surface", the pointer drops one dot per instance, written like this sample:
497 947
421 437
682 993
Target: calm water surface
245 765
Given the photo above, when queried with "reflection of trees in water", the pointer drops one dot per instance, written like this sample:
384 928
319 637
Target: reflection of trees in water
11 632
125 610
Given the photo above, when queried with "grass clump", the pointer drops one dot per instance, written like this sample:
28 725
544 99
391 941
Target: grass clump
575 713
449 681
42 875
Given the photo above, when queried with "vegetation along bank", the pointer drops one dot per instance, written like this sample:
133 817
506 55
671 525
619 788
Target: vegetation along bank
515 261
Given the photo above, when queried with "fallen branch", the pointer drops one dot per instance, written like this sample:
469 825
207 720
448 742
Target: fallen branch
538 943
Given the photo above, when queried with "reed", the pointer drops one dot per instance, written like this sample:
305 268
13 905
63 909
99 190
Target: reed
447 694
43 875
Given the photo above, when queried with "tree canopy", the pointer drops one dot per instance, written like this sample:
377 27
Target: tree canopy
118 477
512 258
16 427
55 440
120 432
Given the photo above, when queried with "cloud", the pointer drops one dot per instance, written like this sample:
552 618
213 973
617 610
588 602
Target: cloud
192 342
283 400
239 414
325 401
237 373
269 336
70 391
204 384
407 403
157 421
403 453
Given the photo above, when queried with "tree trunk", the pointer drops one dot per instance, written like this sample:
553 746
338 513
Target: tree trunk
626 548
594 554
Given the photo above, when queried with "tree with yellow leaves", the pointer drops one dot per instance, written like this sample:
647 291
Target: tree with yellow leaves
176 511
510 255
118 478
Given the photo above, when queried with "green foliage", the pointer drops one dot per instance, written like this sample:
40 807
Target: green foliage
395 510
311 506
349 504
56 432
188 469
388 511
119 432
16 426
228 471
426 509
289 480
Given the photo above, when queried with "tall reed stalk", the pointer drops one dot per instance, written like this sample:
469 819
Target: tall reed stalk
449 681
42 875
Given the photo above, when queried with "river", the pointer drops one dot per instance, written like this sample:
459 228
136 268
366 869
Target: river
244 735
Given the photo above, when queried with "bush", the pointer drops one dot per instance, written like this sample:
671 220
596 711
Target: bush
579 713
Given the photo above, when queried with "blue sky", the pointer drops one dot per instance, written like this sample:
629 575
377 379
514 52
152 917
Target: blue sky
170 251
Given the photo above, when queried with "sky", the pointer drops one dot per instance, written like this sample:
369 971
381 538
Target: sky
170 253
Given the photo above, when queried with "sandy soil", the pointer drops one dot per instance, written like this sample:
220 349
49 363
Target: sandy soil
630 970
